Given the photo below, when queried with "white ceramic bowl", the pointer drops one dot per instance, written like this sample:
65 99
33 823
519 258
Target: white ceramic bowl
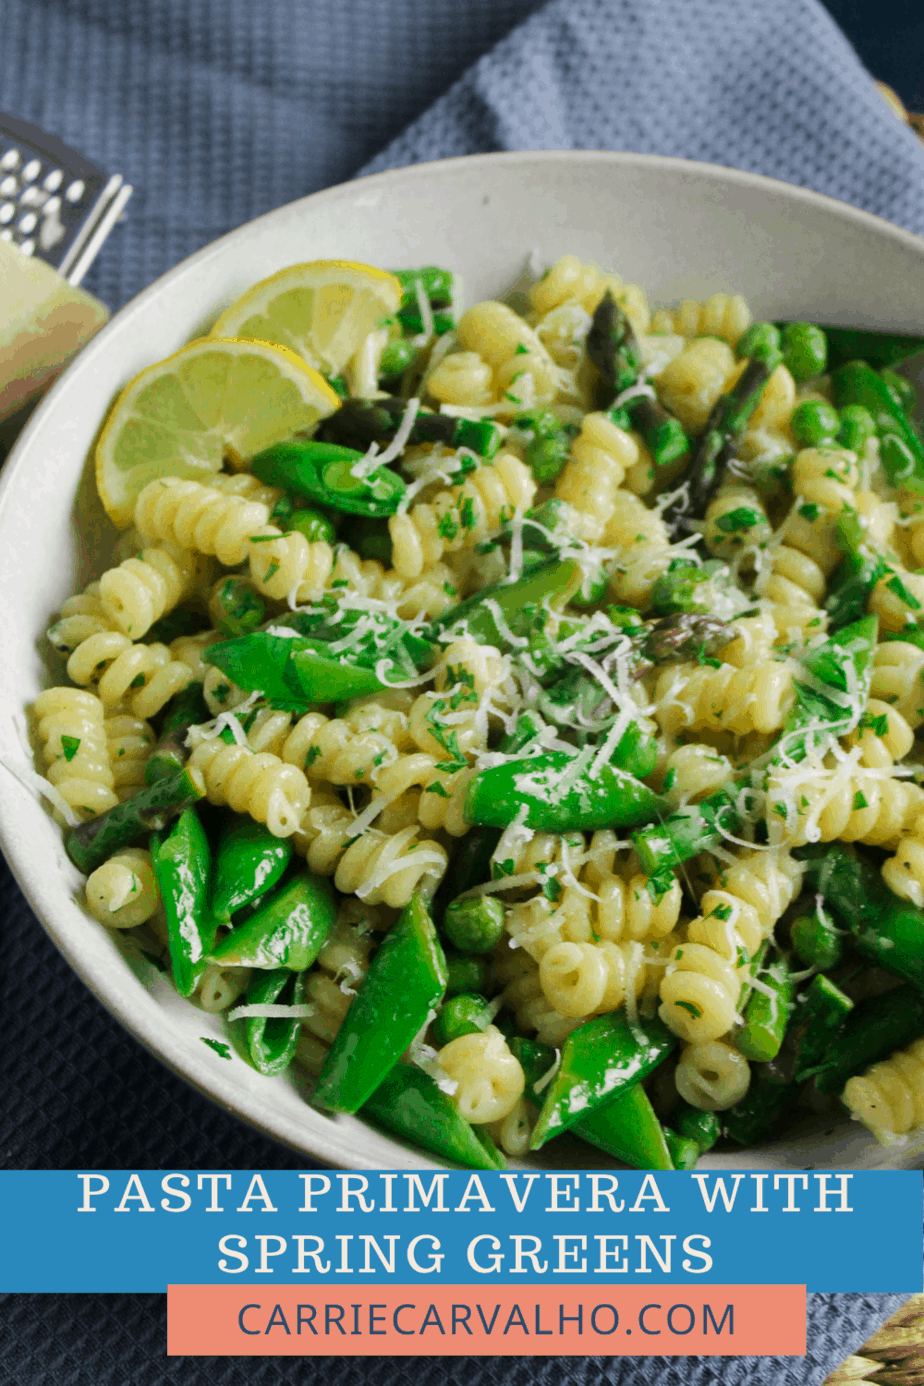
681 230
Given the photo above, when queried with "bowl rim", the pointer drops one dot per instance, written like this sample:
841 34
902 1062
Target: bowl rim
338 1153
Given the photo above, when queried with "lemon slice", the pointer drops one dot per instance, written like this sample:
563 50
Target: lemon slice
322 311
212 399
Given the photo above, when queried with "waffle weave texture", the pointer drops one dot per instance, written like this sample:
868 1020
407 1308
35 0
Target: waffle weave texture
217 111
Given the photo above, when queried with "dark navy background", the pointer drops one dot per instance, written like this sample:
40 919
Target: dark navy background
218 110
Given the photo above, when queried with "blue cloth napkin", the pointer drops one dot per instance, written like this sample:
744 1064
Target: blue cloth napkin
217 111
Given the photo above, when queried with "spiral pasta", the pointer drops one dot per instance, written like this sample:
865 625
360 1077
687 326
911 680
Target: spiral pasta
462 516
383 868
712 1075
601 455
700 989
755 698
463 378
805 550
642 535
129 743
122 893
691 384
736 521
80 617
904 873
144 677
898 679
723 315
889 1097
204 519
71 729
574 281
693 772
524 374
845 801
489 1080
142 589
253 782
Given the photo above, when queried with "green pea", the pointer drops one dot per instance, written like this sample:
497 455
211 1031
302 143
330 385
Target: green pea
805 350
465 1014
816 940
396 358
761 342
694 1125
857 427
236 607
370 539
684 1152
902 391
465 974
475 925
312 524
683 589
814 421
593 589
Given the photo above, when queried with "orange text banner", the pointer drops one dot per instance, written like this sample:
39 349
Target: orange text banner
469 1320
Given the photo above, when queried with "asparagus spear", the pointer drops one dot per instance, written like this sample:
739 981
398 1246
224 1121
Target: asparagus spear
613 348
90 844
184 710
360 422
728 420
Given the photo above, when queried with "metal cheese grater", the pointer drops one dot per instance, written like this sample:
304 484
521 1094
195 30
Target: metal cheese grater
55 204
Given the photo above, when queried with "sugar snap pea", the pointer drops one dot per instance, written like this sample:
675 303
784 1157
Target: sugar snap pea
272 1040
885 929
627 1128
405 981
874 1029
818 1024
248 862
858 383
684 1153
182 864
492 615
602 1057
336 476
288 929
767 1013
558 792
409 1103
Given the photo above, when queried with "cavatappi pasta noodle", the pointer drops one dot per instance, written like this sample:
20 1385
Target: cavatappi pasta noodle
700 628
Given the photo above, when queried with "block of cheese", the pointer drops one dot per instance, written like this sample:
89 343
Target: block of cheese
43 322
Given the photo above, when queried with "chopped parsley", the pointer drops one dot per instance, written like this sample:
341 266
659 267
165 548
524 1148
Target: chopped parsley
70 745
